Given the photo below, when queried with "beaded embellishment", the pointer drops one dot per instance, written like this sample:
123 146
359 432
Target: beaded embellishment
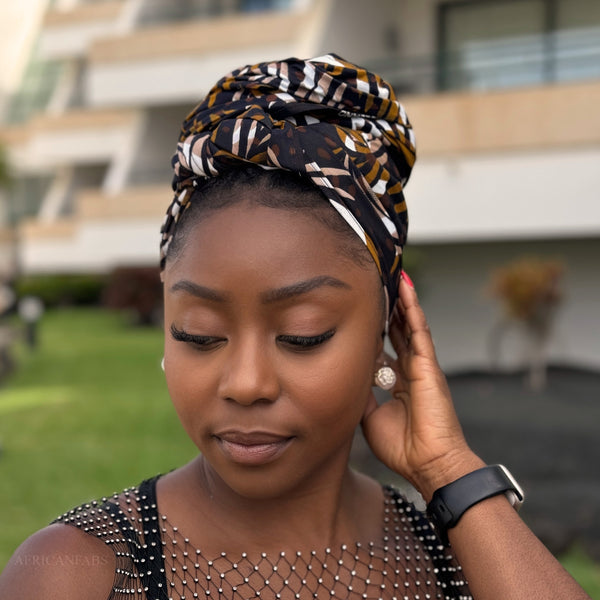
155 561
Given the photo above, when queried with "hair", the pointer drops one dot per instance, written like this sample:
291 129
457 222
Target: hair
215 193
299 194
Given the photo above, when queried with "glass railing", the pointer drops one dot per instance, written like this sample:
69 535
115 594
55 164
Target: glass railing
35 92
529 60
561 57
154 12
26 195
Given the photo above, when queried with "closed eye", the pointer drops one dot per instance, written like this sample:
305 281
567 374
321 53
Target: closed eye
303 343
202 342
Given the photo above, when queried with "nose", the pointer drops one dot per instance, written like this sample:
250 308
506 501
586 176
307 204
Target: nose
249 374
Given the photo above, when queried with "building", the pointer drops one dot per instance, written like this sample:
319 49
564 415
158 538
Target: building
503 95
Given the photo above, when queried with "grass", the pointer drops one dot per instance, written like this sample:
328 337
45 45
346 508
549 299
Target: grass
88 413
584 570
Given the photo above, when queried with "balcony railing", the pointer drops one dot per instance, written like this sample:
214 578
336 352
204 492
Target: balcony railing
529 60
559 57
36 91
154 12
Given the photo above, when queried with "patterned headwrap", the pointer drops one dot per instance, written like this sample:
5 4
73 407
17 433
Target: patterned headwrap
325 119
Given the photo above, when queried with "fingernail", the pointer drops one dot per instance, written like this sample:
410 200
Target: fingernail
407 279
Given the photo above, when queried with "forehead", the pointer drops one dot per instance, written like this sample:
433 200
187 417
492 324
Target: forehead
272 243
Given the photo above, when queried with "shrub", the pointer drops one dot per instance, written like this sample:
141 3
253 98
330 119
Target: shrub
62 289
137 289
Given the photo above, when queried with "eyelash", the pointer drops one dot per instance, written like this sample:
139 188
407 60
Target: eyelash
203 342
298 342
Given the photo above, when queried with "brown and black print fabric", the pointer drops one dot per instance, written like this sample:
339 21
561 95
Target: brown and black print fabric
324 118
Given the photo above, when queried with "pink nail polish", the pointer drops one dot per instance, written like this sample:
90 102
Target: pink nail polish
408 279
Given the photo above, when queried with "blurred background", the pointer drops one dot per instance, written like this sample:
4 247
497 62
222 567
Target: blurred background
504 237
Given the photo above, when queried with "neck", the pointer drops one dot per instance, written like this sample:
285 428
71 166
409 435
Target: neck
336 508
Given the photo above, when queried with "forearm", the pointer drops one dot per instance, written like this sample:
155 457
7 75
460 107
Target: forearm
500 556
503 559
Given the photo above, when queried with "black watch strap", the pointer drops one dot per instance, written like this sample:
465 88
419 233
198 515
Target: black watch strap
451 501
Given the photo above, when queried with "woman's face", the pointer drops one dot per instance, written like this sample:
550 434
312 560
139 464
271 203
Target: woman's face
271 342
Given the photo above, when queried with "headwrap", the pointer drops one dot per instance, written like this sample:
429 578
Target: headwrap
324 118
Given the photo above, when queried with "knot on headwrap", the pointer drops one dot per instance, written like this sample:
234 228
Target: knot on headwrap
325 119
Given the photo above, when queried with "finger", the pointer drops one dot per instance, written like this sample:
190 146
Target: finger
398 336
398 322
421 341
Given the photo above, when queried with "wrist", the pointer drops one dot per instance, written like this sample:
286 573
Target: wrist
445 470
451 501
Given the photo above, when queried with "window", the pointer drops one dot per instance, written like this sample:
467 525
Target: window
504 43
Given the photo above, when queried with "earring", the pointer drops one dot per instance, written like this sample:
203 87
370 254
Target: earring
385 378
162 363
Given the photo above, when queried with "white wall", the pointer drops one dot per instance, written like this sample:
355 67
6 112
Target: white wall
452 282
516 195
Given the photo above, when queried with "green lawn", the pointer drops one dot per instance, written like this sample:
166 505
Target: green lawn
87 414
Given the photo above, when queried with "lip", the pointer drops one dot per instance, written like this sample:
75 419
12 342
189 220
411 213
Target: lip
252 448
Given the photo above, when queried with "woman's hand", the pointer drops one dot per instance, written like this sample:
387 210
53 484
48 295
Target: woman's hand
417 433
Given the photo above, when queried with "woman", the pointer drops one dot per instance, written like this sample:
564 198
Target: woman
281 257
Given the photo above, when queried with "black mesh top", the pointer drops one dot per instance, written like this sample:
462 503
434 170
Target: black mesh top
155 561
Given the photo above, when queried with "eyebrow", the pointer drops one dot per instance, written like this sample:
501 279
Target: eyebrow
199 291
276 295
303 287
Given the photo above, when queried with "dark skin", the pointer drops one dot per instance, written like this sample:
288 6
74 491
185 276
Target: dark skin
254 375
272 399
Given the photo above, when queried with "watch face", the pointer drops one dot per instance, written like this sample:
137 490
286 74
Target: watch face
516 495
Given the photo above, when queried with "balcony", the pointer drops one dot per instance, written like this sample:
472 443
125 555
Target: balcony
138 202
506 164
506 120
74 138
68 34
180 62
105 231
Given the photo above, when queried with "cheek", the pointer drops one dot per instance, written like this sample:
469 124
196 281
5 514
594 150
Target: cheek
188 389
335 386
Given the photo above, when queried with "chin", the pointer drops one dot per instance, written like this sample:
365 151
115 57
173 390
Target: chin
254 483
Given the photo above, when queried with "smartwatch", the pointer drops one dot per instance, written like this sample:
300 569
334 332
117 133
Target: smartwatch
451 501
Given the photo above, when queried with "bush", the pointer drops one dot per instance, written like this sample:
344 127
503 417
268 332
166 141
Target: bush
137 289
62 289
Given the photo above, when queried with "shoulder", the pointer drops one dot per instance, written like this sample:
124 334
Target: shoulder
84 553
59 562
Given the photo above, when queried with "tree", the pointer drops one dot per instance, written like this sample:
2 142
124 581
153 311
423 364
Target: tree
529 290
